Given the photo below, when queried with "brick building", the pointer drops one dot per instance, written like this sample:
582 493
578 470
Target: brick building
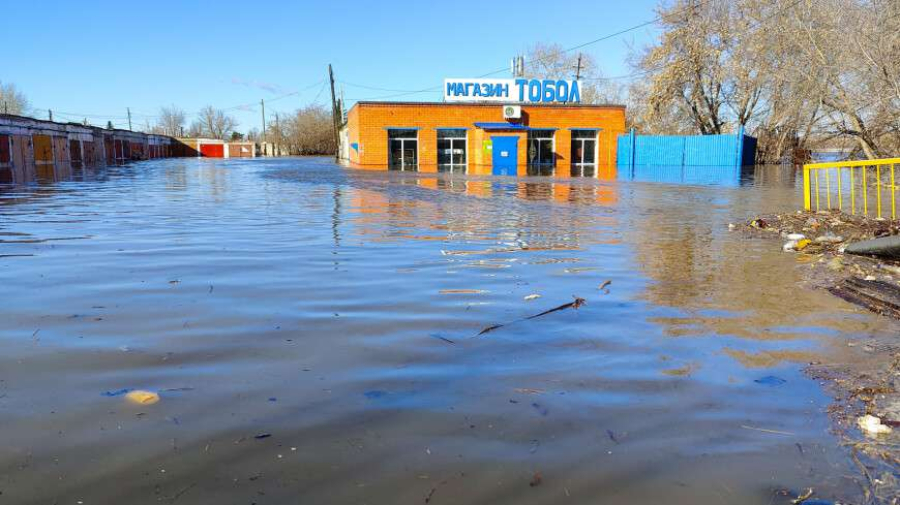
484 138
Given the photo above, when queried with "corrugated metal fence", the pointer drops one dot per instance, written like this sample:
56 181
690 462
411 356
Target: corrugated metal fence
686 150
677 174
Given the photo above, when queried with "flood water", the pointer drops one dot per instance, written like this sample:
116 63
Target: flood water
311 331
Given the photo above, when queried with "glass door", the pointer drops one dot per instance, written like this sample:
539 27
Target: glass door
584 153
541 158
451 146
403 150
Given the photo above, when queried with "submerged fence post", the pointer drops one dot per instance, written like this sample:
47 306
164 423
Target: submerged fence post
807 198
633 152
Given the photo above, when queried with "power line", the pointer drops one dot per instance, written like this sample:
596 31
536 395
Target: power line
322 89
681 60
597 40
122 120
374 88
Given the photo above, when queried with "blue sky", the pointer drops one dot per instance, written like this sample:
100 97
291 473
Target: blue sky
96 58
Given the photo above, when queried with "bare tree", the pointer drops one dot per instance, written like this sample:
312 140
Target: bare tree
552 61
197 129
307 132
215 123
12 101
797 74
170 122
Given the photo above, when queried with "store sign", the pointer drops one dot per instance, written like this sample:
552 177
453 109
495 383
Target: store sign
512 90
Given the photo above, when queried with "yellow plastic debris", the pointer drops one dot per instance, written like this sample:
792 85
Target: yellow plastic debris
142 397
802 244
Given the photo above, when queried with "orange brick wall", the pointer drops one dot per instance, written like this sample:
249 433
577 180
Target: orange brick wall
368 123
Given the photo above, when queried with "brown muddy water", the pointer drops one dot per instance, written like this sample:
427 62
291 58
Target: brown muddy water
296 319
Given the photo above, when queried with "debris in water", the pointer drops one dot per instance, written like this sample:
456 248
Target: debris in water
462 291
119 392
796 237
871 426
764 430
684 371
262 436
803 497
829 239
770 380
431 493
439 337
612 436
878 296
836 264
142 397
573 305
529 391
605 285
579 270
540 408
490 329
536 479
532 297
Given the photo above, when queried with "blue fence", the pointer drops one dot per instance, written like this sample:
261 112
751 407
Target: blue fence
686 150
698 176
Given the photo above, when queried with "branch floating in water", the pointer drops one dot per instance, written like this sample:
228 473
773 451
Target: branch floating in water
573 305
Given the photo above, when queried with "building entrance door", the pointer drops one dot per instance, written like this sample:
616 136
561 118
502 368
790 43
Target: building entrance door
505 157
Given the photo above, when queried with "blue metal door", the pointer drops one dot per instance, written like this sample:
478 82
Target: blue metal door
505 157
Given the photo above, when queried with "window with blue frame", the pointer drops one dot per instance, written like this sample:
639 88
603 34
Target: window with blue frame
584 153
541 158
403 149
451 148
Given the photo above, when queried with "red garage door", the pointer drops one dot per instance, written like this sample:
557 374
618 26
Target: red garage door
212 150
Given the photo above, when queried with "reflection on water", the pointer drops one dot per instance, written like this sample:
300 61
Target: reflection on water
706 175
336 311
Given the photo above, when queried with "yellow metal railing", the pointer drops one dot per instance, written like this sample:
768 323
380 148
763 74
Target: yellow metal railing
851 182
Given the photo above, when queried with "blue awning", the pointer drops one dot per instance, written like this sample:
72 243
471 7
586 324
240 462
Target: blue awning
500 126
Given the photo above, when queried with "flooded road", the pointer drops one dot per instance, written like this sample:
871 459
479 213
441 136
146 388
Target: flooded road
311 332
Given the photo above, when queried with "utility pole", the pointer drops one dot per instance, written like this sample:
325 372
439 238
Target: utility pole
50 114
278 137
262 104
334 116
517 66
578 71
129 117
